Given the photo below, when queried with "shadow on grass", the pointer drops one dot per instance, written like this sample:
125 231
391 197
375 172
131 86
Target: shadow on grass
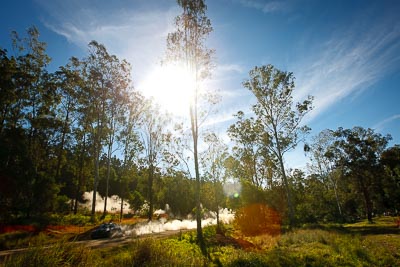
373 230
381 226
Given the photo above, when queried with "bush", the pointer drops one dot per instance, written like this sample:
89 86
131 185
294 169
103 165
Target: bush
76 219
257 219
70 219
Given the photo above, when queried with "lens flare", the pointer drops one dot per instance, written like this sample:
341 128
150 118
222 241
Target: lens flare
232 189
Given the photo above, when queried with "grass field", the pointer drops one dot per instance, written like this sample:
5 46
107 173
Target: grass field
359 244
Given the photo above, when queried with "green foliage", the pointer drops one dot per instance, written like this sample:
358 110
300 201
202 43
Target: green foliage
54 125
390 159
175 187
56 219
252 194
252 162
70 219
262 141
209 231
356 153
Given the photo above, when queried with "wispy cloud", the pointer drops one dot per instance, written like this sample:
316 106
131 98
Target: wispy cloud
131 32
222 77
381 125
350 62
230 68
269 7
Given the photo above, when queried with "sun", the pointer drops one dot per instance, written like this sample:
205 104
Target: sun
171 86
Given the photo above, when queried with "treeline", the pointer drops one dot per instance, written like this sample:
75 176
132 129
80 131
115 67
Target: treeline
60 131
85 128
352 175
352 172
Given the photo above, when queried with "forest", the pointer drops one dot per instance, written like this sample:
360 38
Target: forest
85 128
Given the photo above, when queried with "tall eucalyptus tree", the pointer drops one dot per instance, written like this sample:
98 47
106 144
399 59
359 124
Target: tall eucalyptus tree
187 46
153 139
278 117
106 80
116 111
213 161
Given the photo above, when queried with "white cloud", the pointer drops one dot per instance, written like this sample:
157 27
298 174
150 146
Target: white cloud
381 125
225 80
230 68
347 64
269 7
132 33
220 118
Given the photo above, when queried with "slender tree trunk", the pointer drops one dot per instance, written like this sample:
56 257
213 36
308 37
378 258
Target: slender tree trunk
121 214
200 237
75 208
97 146
122 189
218 224
193 118
367 199
60 153
288 193
80 174
150 184
95 184
108 177
284 178
337 199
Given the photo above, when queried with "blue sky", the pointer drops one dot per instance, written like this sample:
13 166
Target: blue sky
344 53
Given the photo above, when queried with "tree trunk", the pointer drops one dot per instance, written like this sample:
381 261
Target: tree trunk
96 176
80 174
284 178
200 238
121 214
150 184
95 183
218 226
60 153
108 177
337 200
367 199
288 193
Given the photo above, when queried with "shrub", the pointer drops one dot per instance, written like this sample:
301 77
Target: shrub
257 219
76 219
